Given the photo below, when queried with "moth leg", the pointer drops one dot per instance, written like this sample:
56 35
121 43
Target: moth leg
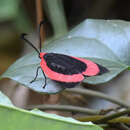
45 79
36 75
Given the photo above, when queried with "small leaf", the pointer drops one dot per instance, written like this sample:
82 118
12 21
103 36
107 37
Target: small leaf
20 119
129 68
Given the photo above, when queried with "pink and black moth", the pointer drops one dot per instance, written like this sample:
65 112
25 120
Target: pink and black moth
67 70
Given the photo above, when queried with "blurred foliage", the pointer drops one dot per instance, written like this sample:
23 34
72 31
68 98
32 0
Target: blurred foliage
8 9
13 19
13 11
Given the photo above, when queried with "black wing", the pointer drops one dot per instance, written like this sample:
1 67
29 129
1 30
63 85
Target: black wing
64 64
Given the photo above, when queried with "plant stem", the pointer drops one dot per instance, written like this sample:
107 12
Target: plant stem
39 11
95 118
99 95
68 108
39 15
112 116
124 127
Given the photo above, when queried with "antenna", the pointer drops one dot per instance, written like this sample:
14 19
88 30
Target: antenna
39 33
23 37
40 44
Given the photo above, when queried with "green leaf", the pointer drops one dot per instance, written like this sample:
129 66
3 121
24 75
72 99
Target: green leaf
20 119
128 68
114 34
81 47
